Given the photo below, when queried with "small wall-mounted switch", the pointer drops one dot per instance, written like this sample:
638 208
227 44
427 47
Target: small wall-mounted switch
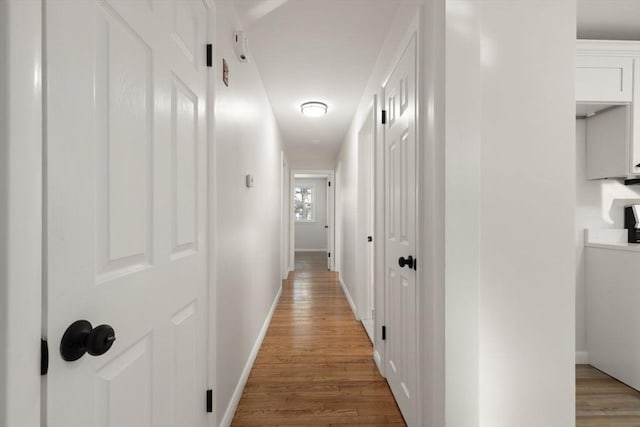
249 180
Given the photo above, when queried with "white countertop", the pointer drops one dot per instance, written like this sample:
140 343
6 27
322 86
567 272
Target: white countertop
609 238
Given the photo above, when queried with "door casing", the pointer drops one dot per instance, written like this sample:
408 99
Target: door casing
21 153
331 208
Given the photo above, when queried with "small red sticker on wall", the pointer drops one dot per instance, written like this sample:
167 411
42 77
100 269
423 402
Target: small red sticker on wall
225 72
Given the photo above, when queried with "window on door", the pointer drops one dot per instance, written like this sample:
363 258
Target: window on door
304 208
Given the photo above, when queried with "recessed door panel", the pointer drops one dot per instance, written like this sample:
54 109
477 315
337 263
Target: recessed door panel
185 27
123 103
130 373
392 189
184 121
185 334
404 196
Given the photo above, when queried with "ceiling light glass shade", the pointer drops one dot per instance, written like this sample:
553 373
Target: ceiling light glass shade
314 109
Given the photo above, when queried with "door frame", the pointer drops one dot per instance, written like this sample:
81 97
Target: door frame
285 209
337 235
427 27
366 215
403 47
379 351
21 220
212 217
331 211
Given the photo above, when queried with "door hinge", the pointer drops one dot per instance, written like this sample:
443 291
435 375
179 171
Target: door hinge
384 333
369 238
44 357
415 264
209 401
329 183
384 117
209 55
328 254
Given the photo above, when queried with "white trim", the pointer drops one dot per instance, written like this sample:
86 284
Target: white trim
378 361
337 211
212 215
21 211
608 48
311 250
582 358
431 211
349 299
331 218
286 207
365 214
237 394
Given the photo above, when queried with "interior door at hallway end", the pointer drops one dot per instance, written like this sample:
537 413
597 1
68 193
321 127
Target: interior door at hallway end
331 255
400 233
126 187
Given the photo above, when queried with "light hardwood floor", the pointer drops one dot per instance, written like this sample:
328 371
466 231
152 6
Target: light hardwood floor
602 401
315 365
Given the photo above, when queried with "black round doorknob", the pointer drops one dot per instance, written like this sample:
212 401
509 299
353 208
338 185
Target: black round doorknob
81 338
100 340
408 261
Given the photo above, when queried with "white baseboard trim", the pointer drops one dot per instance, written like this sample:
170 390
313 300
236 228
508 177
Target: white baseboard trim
310 250
582 358
349 299
378 361
237 394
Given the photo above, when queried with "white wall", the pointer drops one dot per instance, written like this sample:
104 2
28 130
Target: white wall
301 160
510 200
20 212
248 219
312 236
599 204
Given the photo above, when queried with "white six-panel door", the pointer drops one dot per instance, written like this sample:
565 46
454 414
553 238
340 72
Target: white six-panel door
126 226
400 233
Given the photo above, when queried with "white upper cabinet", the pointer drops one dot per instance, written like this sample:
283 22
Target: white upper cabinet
604 79
608 97
635 120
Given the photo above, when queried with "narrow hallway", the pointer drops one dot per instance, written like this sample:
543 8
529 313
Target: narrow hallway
315 366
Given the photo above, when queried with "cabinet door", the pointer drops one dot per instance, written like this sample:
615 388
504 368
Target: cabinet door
604 79
608 141
612 314
634 165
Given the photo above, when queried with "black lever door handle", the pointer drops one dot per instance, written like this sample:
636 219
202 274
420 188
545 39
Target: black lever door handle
408 261
81 338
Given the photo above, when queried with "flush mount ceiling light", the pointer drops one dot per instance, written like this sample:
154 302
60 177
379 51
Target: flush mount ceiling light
314 109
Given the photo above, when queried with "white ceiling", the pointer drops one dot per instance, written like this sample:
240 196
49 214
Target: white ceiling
324 50
315 50
609 19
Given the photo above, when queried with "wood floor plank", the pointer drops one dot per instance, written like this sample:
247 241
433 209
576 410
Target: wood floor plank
602 401
315 366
